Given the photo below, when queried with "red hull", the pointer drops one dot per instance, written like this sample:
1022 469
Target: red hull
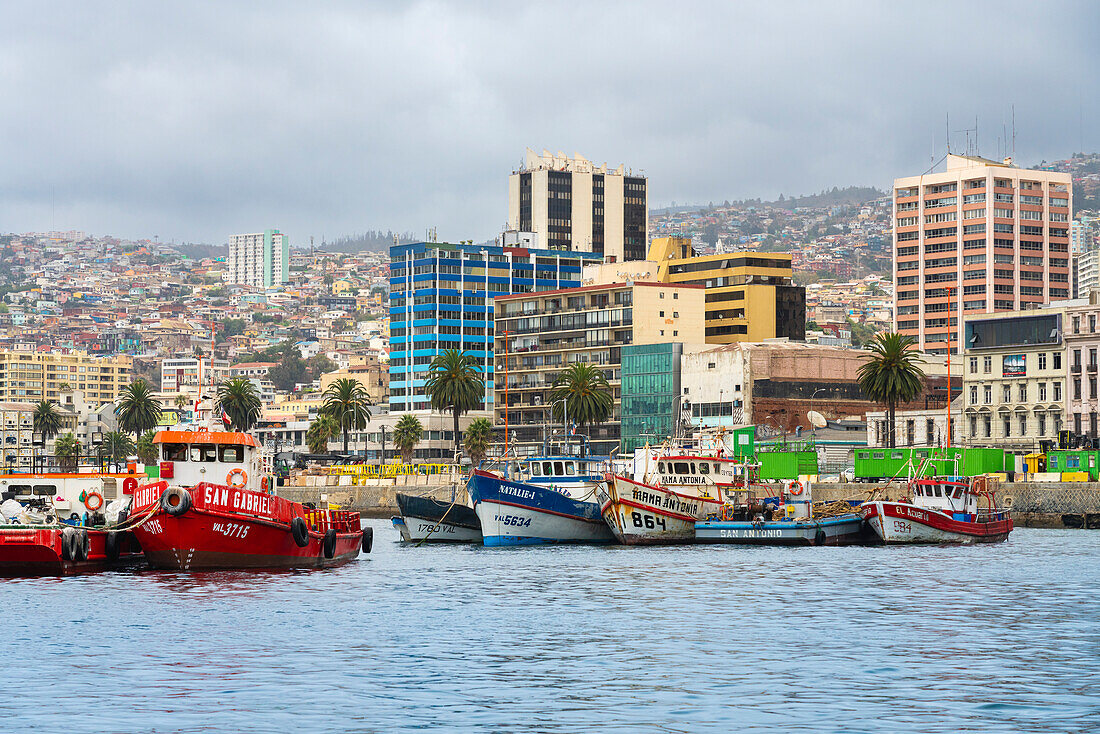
37 552
210 535
920 525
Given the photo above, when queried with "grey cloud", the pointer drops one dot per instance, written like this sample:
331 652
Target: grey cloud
199 121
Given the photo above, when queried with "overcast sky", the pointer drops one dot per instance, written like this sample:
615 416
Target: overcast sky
200 120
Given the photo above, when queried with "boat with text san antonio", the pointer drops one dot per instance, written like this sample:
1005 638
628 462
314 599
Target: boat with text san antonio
543 499
215 508
669 492
941 510
57 524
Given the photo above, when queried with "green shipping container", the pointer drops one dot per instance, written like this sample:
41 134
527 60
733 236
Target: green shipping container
1064 461
786 465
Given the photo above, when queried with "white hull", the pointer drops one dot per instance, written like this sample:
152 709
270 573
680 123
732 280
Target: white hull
898 523
640 514
506 524
415 530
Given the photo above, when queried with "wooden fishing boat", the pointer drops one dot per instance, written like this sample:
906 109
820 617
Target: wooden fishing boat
192 519
428 520
940 510
58 524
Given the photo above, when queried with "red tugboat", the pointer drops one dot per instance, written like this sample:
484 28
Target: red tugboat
940 511
215 508
65 523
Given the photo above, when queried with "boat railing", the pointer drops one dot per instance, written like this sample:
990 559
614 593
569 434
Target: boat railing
342 521
991 515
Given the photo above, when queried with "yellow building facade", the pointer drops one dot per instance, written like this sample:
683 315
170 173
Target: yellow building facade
34 376
750 296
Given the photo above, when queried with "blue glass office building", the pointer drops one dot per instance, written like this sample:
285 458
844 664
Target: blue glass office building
441 297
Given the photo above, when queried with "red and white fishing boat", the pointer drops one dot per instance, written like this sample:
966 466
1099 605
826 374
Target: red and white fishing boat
57 524
669 493
215 508
943 510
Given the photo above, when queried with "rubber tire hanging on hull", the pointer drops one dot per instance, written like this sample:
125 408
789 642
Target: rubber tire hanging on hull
329 544
819 537
368 539
175 501
111 545
81 545
67 544
300 532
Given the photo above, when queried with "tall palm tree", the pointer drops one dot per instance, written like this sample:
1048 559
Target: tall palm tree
406 435
586 394
181 402
117 446
67 451
455 384
47 419
240 400
137 410
145 449
891 374
347 401
477 440
320 431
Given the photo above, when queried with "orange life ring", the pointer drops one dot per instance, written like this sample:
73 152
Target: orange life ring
237 473
795 488
263 484
99 501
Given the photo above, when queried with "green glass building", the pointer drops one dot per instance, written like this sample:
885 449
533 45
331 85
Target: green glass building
650 388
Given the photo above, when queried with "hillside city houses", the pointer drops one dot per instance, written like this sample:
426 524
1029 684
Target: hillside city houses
700 316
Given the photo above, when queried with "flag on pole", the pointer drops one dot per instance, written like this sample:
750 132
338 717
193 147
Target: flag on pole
226 419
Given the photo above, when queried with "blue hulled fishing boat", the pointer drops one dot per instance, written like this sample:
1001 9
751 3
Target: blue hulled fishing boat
545 499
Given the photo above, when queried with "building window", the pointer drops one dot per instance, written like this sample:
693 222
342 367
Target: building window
1092 424
929 431
973 394
974 364
1023 423
1042 360
1076 422
1057 360
987 365
1023 392
973 426
910 431
1007 394
1042 392
1076 388
1076 324
1057 391
988 394
1042 417
1008 426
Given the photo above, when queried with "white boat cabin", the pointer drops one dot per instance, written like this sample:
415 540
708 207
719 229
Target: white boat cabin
943 495
654 468
64 496
227 458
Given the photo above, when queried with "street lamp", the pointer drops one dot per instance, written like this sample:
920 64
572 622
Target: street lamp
97 442
38 440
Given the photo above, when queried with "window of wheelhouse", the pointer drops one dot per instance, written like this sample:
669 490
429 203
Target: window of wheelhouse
936 489
704 468
232 454
661 467
175 452
204 452
44 490
559 469
570 468
547 468
681 467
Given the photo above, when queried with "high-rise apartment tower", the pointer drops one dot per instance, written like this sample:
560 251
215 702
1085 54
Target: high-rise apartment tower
261 260
576 205
980 237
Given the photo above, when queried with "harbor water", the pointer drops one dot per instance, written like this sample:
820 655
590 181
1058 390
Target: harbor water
570 639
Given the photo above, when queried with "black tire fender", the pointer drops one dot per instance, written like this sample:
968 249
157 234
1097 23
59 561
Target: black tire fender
67 543
329 545
112 545
368 539
819 537
82 545
175 501
300 532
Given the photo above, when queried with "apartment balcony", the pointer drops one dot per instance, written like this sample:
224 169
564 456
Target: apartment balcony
1092 368
1075 369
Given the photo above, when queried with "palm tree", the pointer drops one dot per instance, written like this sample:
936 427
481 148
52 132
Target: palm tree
319 433
347 401
145 449
478 439
586 394
47 420
117 446
892 374
406 435
137 410
240 400
455 384
67 451
181 402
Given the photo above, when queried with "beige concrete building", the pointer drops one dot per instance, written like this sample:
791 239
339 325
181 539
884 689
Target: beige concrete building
33 376
540 334
980 237
574 204
1014 379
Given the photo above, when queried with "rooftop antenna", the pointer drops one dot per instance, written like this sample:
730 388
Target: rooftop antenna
1013 131
977 149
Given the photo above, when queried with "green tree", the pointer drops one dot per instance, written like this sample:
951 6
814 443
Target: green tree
406 435
323 428
347 401
240 400
67 451
231 327
454 384
145 449
117 447
47 419
586 393
318 365
891 374
477 440
137 410
181 401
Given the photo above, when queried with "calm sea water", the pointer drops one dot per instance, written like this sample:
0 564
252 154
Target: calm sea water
571 639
